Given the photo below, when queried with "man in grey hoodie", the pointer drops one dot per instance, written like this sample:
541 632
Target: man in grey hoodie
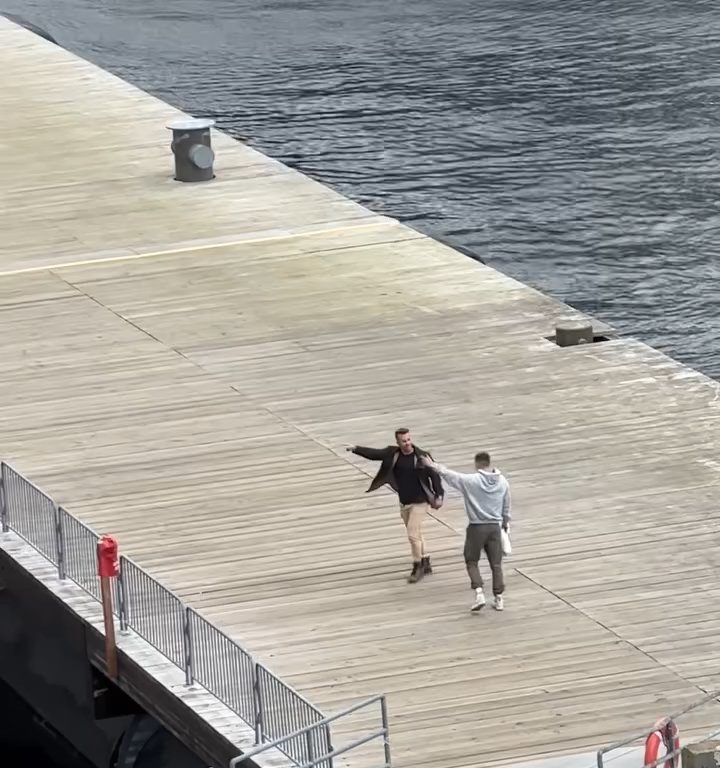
486 494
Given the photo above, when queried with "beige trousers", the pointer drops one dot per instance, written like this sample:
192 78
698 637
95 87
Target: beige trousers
413 515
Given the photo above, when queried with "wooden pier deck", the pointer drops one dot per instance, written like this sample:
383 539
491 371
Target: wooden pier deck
183 365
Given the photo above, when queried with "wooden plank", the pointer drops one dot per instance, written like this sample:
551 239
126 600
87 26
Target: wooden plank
183 365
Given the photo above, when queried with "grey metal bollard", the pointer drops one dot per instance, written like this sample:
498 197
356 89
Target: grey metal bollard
191 146
568 333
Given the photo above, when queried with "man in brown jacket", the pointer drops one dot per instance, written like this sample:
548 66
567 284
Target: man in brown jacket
416 485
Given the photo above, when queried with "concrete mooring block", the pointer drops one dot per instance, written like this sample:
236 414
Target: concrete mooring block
704 754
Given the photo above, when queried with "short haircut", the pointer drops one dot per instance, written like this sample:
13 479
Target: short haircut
482 458
401 431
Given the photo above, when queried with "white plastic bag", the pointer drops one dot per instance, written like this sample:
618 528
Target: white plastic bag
506 545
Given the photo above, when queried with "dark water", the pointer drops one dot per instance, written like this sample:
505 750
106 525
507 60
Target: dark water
574 144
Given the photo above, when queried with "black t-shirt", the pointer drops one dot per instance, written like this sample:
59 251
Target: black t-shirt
408 481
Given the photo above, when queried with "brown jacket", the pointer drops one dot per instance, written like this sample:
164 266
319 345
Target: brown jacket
429 479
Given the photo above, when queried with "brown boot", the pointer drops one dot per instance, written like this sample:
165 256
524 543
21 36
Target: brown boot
417 573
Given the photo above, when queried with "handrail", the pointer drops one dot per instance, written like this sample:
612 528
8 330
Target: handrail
644 735
182 635
384 732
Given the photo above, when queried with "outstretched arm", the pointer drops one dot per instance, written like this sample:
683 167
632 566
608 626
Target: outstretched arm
454 479
373 454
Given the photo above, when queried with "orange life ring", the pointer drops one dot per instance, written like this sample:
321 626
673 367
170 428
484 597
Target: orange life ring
665 734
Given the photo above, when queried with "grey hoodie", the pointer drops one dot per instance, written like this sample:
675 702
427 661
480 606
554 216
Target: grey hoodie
486 494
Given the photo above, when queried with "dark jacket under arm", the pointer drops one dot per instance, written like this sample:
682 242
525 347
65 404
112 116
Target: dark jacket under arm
436 483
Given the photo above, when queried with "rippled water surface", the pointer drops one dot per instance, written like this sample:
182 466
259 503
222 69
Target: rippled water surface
571 144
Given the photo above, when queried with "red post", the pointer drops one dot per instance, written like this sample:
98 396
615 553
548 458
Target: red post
108 568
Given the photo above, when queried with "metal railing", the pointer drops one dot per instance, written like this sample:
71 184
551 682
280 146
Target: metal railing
33 514
671 720
309 735
279 715
287 712
79 553
224 668
155 613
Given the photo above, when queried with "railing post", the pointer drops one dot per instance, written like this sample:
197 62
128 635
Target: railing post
59 541
257 700
386 728
122 597
328 745
673 731
3 501
188 647
310 749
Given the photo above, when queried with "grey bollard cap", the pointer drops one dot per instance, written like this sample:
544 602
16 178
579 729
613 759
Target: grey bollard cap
572 331
191 124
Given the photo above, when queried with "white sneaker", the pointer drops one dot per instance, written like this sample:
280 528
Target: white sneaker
479 603
499 604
